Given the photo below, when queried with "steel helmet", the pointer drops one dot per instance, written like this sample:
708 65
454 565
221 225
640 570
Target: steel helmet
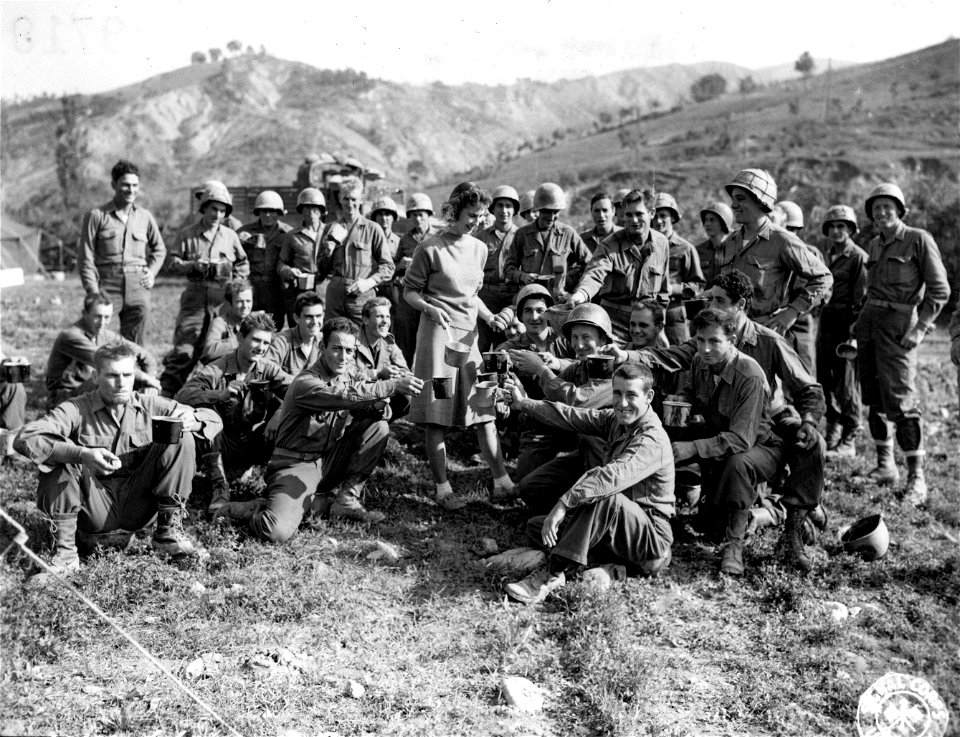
533 290
549 196
758 183
269 200
721 210
311 196
589 314
843 214
419 201
216 192
793 214
506 192
887 189
621 193
868 537
387 204
198 191
526 202
665 201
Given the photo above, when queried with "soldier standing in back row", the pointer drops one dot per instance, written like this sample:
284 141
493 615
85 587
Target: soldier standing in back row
300 250
497 292
603 213
771 257
262 240
419 211
717 221
120 251
686 278
906 289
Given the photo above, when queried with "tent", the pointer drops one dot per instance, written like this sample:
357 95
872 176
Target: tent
20 246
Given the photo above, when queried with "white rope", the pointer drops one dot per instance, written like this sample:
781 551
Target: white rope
21 540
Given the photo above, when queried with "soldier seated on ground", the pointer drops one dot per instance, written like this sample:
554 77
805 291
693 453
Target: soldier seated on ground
240 387
298 347
13 412
377 351
330 437
70 367
619 512
101 469
222 335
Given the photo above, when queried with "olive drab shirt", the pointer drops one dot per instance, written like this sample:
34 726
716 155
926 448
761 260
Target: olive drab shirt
262 248
106 240
709 256
557 251
622 272
498 246
300 250
364 254
592 238
848 265
287 351
907 270
193 244
371 357
773 261
686 277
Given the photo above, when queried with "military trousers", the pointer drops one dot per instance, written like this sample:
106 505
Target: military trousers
122 285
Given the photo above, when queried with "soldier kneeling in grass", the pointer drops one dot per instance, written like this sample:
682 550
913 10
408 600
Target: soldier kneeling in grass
619 512
100 467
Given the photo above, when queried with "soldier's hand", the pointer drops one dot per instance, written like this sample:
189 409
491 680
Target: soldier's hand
684 449
234 390
409 385
807 436
363 285
526 362
576 298
270 430
527 278
782 321
99 461
612 349
146 280
515 392
188 417
551 525
913 337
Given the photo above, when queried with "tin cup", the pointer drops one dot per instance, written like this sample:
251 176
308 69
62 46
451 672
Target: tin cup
442 387
599 366
847 350
676 413
15 370
486 376
306 281
486 393
495 362
167 430
220 269
692 307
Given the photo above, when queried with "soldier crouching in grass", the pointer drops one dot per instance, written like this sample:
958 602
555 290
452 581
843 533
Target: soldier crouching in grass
102 471
619 512
330 436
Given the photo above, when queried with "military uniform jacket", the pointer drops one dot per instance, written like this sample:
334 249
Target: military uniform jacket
848 265
364 254
286 350
106 240
262 248
592 238
299 249
382 352
557 251
498 246
192 244
686 278
622 272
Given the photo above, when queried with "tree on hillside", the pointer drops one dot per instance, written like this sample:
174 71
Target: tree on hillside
633 139
805 65
747 85
198 57
234 47
708 87
215 55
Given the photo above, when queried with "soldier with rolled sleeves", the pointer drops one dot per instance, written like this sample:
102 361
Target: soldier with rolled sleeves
70 368
300 248
330 437
378 354
603 213
262 240
547 250
209 254
906 289
296 348
497 291
100 469
717 221
841 382
630 265
771 257
354 254
419 211
686 278
120 251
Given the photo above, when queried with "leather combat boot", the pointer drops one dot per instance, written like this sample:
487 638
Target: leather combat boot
65 559
915 490
169 536
347 505
731 556
217 475
792 542
886 471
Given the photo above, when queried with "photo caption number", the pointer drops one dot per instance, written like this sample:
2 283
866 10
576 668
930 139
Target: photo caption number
57 34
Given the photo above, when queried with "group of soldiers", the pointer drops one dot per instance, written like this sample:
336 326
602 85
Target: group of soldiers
293 346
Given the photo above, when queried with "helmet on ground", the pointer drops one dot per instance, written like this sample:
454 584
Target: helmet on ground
758 183
721 210
386 204
506 192
311 196
526 202
793 214
887 189
843 214
419 201
621 193
589 314
269 200
868 537
216 192
549 196
533 290
665 201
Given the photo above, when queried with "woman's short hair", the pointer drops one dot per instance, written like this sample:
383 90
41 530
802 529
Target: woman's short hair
631 371
339 325
712 317
464 195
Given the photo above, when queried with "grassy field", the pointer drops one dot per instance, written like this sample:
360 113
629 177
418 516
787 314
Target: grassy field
280 632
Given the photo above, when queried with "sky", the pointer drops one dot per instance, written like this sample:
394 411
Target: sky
93 46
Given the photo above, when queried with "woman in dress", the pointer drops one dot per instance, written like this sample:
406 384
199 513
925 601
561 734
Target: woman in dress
442 282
